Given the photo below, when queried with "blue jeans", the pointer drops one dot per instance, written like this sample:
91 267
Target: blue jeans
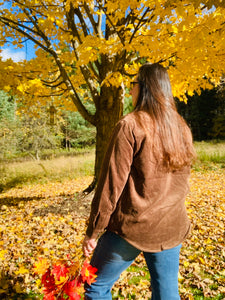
113 255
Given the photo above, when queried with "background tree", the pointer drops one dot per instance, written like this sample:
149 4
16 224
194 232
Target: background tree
22 134
78 133
7 107
205 113
86 49
8 124
218 130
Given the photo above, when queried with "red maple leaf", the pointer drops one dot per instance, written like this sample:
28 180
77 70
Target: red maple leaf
59 270
48 282
73 289
49 296
88 273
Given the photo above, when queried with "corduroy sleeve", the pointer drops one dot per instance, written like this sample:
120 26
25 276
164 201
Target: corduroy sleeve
113 177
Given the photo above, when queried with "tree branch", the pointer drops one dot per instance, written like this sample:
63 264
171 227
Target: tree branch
35 24
139 24
84 69
52 85
14 25
73 94
114 28
71 24
82 22
90 16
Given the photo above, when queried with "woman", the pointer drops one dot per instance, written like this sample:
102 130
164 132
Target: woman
140 196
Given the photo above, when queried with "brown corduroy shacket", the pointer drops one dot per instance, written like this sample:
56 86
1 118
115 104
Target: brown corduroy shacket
134 199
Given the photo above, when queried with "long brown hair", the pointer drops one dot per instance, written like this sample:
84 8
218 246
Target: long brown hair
172 140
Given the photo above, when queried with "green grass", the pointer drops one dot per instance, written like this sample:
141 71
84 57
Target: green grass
138 274
210 155
198 295
16 174
61 165
213 151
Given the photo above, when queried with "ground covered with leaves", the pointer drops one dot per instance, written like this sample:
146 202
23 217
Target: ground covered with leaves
49 221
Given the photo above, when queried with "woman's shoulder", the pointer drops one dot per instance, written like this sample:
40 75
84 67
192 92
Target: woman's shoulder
137 124
136 118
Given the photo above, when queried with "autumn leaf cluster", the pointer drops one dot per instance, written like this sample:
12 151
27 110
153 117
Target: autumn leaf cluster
65 278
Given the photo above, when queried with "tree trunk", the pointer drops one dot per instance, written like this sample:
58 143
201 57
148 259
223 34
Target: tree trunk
108 113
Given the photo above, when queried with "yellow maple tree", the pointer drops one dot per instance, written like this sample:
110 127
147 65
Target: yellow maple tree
90 49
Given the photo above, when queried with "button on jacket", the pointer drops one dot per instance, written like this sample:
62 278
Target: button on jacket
134 197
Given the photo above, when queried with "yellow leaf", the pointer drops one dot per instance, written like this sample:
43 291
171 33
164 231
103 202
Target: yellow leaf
18 288
21 88
52 19
175 29
202 260
10 68
186 264
180 277
208 241
2 254
38 283
41 266
7 88
22 270
59 22
36 82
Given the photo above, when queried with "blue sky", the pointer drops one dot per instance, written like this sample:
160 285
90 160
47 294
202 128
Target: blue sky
28 51
9 51
19 54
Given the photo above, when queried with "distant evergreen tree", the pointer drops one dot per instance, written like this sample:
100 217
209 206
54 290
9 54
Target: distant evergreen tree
218 130
8 125
77 131
7 107
205 114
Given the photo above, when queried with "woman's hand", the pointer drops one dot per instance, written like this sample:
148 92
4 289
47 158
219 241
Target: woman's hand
89 245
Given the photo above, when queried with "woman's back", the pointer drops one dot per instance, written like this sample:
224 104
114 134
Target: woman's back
150 212
140 196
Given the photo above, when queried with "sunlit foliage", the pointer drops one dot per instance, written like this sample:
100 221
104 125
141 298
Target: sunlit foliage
97 43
